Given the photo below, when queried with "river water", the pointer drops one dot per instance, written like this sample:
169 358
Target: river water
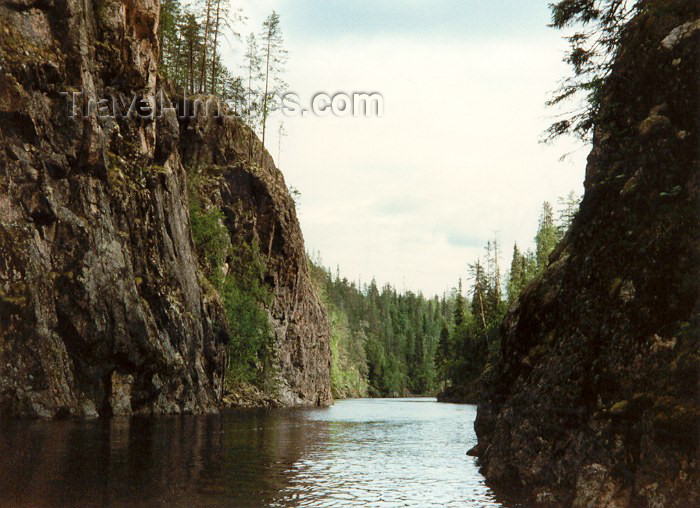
390 452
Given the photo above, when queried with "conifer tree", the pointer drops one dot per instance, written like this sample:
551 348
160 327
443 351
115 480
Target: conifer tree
274 59
479 292
399 333
568 207
191 36
592 49
253 68
170 15
443 355
205 42
225 20
516 278
459 306
493 292
548 235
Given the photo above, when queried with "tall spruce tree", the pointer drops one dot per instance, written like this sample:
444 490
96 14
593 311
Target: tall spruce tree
443 355
459 305
516 277
479 292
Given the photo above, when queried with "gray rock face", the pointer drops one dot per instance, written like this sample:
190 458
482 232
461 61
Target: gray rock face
255 200
101 311
101 307
594 399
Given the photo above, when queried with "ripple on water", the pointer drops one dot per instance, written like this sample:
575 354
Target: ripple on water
395 452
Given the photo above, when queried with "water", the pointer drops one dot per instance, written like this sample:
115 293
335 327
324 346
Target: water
392 452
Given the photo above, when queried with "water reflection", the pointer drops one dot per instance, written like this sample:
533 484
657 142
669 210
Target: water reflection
407 452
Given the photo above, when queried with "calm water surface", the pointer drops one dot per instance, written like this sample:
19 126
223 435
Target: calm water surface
393 452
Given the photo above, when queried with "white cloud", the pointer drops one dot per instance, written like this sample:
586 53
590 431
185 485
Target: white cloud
410 197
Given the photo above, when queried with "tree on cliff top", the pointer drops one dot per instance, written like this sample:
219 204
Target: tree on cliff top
275 57
592 49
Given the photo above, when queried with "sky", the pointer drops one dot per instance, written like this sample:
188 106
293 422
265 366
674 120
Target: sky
411 198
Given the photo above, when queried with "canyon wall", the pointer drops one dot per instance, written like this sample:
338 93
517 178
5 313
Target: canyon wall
103 306
593 401
240 178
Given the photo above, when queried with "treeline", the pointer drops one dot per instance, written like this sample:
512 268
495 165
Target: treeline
386 343
472 335
383 342
191 38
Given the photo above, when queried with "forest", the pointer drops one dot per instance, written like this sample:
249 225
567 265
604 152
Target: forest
390 343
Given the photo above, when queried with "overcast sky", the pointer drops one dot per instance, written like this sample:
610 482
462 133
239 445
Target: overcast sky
411 198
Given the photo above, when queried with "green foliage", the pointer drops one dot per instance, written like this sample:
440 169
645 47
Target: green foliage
387 338
466 350
273 58
547 237
459 306
474 337
568 208
443 355
592 48
387 344
245 296
517 276
236 270
211 239
190 39
349 362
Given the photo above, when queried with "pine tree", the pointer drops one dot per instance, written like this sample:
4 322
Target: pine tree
419 379
529 266
190 47
205 42
493 293
191 36
219 12
224 19
170 15
253 66
274 59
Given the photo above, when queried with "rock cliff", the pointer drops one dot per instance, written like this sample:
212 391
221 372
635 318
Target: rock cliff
102 305
256 203
593 401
